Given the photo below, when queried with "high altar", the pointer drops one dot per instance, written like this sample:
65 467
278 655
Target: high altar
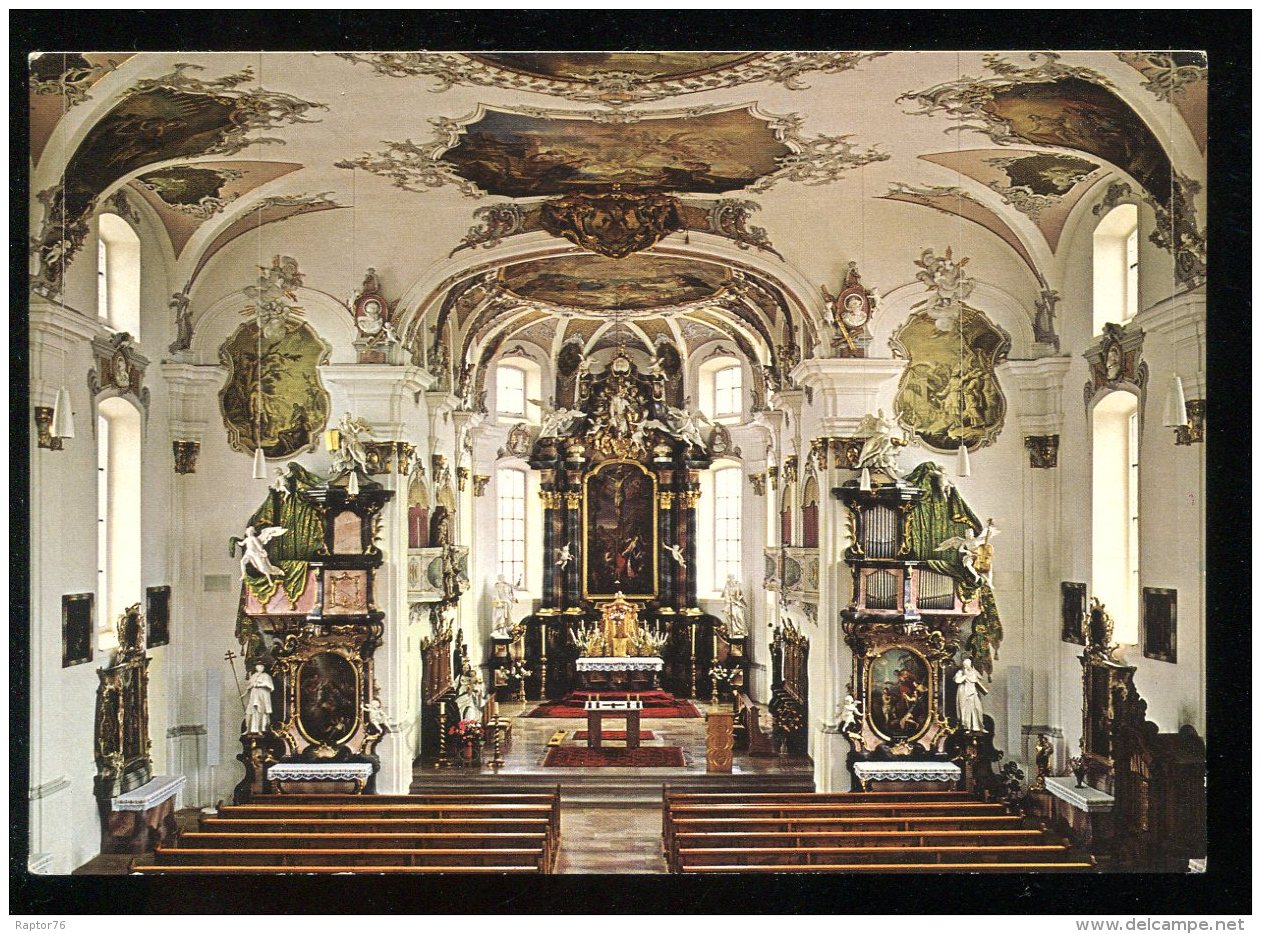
617 652
619 463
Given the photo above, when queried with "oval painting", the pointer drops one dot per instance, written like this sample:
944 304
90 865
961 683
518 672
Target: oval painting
328 710
897 693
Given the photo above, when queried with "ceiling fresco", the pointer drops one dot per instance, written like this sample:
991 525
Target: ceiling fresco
522 156
59 81
159 119
1180 78
612 78
1044 186
186 196
593 282
586 66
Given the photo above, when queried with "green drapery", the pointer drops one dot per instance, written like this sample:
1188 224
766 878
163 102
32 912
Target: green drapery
291 552
941 514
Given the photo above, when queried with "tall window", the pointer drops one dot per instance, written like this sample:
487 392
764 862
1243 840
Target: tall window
510 390
1116 266
726 524
118 513
1115 510
510 488
118 274
728 386
721 384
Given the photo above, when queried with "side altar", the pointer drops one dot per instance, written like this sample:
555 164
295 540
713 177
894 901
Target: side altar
619 458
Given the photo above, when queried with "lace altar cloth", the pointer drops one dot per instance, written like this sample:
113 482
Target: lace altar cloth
320 771
907 771
620 664
150 794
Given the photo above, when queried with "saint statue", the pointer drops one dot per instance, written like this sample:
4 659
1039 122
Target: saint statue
471 699
505 597
733 596
879 451
971 715
353 433
1043 753
258 688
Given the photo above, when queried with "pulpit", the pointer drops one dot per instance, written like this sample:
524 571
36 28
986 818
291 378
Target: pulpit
618 653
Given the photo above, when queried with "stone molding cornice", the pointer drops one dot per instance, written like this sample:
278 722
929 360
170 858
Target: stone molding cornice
190 387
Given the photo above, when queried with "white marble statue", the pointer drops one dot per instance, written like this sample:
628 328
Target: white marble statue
971 715
280 482
737 608
376 715
975 552
505 597
563 557
351 452
687 426
258 688
851 714
879 451
255 551
556 422
677 554
471 699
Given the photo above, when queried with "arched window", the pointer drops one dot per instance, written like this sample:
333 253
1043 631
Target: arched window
118 547
510 490
118 274
516 383
727 490
722 389
1115 512
1116 267
786 514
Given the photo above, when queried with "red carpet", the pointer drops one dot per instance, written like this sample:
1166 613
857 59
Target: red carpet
645 757
616 735
657 704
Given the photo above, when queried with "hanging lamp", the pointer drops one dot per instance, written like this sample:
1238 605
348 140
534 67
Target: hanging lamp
63 414
1175 404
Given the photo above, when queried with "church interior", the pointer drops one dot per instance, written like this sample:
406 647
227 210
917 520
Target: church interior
795 458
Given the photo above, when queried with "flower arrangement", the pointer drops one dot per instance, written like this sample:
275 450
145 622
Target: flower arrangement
1077 766
651 642
719 673
517 673
466 731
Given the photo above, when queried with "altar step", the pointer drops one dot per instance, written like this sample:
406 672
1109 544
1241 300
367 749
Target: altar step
605 787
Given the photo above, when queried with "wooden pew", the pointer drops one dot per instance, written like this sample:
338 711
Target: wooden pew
352 858
358 841
151 869
830 855
1075 866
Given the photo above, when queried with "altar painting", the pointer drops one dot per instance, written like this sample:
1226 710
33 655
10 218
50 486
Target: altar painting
327 691
288 412
897 693
620 531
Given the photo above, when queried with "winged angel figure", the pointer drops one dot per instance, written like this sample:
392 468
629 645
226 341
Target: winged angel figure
254 546
975 552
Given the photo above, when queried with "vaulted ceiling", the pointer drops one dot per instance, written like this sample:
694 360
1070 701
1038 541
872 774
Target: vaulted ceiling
631 155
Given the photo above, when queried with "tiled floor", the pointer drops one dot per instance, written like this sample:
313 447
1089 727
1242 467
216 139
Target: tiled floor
610 840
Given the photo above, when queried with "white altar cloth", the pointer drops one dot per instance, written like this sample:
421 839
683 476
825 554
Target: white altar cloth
907 772
593 663
320 771
150 794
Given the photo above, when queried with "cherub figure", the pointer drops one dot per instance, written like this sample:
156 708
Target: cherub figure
851 714
677 554
563 557
377 719
255 551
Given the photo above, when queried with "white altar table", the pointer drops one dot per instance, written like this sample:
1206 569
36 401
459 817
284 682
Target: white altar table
618 673
869 772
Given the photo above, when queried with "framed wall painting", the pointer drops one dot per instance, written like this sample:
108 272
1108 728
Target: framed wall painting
1160 624
158 613
77 612
1073 612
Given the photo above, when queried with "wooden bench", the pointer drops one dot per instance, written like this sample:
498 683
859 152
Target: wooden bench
364 856
418 841
151 869
1077 866
858 838
808 856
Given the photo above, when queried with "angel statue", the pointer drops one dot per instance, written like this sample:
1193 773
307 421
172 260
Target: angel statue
377 720
280 482
687 426
563 557
351 453
733 596
255 551
879 451
851 714
556 422
677 554
975 553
